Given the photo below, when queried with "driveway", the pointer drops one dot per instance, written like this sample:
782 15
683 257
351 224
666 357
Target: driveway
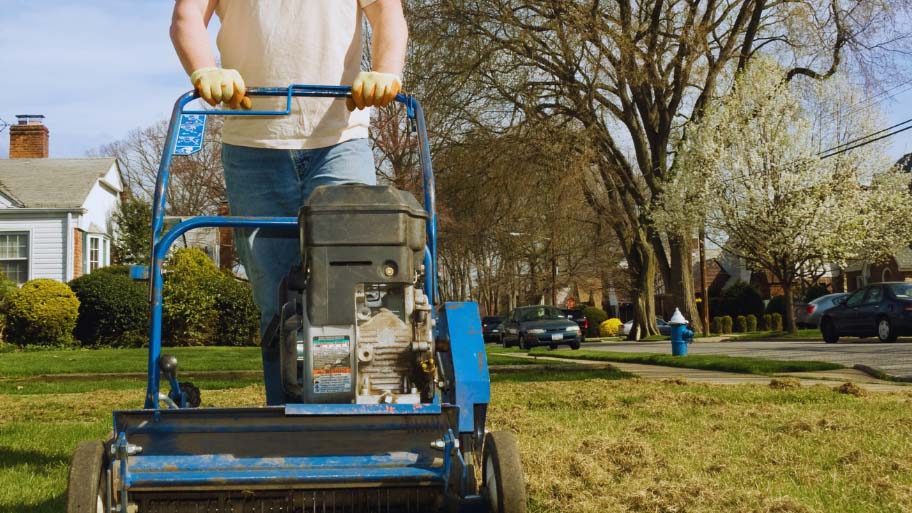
894 358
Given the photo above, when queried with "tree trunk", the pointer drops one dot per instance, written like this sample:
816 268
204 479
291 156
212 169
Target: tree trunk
682 282
789 309
642 262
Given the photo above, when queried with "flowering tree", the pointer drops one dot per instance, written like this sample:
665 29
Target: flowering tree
752 169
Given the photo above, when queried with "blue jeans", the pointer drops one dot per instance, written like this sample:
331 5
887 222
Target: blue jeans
265 182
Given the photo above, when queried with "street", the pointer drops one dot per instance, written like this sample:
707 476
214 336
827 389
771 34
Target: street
894 359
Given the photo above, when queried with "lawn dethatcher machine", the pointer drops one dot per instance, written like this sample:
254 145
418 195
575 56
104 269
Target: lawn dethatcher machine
376 395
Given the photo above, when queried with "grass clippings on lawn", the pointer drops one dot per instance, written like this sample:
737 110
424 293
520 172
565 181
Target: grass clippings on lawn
592 440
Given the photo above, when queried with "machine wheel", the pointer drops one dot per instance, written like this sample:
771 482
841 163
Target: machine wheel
828 329
502 475
885 331
574 345
552 346
192 393
85 493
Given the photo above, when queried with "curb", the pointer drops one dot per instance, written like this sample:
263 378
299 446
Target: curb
879 374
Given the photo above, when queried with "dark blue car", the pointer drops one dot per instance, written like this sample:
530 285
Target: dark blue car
883 310
530 326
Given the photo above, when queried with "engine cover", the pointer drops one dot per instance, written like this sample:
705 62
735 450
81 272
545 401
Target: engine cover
361 330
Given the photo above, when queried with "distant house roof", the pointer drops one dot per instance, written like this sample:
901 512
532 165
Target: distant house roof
51 183
905 163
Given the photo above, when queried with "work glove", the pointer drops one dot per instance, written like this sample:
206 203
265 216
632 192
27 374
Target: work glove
217 85
373 89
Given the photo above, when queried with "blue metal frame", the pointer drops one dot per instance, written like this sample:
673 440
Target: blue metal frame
161 243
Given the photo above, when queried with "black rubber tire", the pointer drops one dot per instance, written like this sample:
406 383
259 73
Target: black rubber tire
574 345
891 333
552 346
84 486
194 398
828 330
502 476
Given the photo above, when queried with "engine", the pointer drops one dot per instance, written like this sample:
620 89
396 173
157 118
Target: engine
358 328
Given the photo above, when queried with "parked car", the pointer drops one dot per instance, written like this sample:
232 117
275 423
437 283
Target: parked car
808 315
664 327
578 316
490 328
530 326
883 310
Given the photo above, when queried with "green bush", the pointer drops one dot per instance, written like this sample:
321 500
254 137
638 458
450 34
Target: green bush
113 309
767 322
740 299
238 319
43 312
205 306
191 283
751 323
715 325
816 290
726 324
776 305
776 322
596 317
6 287
741 324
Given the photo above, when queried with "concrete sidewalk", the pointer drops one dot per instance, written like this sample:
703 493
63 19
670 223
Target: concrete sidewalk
659 372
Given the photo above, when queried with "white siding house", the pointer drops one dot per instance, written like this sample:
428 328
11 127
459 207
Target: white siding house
55 216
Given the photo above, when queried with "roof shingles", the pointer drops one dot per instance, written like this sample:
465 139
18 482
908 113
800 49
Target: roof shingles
51 183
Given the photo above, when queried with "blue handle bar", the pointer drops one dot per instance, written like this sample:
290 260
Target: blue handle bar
161 244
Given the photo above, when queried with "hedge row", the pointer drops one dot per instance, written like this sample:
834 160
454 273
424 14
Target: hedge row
202 306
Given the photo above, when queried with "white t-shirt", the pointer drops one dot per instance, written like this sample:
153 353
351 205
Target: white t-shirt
275 43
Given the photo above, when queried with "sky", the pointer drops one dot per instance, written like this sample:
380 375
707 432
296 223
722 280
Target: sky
96 69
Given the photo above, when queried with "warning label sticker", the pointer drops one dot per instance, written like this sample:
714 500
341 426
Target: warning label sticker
331 365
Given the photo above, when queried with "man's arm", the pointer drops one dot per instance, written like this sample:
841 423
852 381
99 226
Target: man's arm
191 41
188 33
390 37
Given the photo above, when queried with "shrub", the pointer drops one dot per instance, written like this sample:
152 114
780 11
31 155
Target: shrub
42 312
816 290
716 325
751 323
767 322
741 324
238 319
777 322
596 317
113 309
776 305
610 327
189 299
726 324
205 306
740 299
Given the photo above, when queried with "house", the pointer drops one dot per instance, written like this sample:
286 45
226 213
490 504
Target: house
856 274
55 214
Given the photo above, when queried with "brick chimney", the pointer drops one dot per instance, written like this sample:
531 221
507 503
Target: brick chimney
29 138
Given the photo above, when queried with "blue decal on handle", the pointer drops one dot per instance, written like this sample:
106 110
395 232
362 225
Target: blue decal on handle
190 134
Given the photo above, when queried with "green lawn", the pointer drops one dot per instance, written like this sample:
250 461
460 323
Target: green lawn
706 362
31 363
807 334
592 440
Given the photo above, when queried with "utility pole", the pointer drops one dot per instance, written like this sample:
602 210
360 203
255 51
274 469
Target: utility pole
703 292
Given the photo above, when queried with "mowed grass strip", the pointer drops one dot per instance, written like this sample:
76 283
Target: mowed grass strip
75 361
742 364
591 441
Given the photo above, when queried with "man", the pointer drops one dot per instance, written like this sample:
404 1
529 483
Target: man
272 164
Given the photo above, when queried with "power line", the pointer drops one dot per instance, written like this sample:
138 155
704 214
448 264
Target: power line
860 105
867 142
864 137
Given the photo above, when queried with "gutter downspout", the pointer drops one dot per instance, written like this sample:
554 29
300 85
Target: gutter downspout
68 237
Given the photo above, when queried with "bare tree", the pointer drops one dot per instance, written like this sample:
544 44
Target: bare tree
631 75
